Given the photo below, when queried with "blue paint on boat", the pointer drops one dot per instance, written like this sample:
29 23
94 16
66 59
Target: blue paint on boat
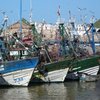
12 66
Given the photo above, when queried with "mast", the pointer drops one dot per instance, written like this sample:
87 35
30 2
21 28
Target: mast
20 16
4 24
59 15
20 33
70 16
63 45
30 11
92 40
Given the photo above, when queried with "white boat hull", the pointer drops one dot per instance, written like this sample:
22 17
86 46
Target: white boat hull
55 76
17 78
93 71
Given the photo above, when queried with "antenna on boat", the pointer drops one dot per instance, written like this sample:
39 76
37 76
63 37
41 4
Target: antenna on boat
30 11
59 15
70 15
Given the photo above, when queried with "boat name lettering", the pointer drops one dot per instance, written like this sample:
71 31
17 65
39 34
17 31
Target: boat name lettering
76 68
18 79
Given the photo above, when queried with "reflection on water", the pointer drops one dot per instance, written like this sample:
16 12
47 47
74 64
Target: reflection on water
49 92
88 91
53 91
14 94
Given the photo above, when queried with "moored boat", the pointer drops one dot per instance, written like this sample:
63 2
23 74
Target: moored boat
80 63
88 67
17 73
52 72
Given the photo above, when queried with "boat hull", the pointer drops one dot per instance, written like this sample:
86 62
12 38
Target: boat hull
17 73
89 66
52 76
17 78
55 76
93 71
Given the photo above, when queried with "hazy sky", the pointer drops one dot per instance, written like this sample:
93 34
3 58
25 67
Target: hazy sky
47 9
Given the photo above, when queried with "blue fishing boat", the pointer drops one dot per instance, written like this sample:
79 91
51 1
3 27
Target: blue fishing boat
17 72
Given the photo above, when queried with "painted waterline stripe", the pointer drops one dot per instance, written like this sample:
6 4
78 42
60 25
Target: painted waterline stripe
91 68
92 71
18 72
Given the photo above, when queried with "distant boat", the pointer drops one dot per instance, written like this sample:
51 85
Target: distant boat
17 73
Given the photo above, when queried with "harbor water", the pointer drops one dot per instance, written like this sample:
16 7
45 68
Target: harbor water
53 91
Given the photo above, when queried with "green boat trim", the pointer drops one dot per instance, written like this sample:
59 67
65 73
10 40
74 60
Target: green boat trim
74 65
86 63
